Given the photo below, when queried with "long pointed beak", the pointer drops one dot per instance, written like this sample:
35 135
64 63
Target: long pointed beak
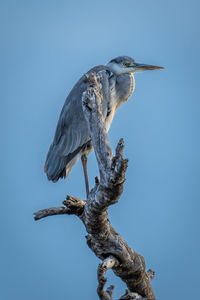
143 67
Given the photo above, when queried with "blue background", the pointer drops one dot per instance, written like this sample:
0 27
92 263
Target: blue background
45 47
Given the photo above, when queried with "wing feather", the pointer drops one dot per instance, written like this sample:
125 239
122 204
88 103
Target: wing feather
72 131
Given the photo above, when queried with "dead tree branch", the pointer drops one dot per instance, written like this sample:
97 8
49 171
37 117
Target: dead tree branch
103 240
107 264
72 206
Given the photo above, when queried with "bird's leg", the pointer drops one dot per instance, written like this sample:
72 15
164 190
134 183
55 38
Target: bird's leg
84 163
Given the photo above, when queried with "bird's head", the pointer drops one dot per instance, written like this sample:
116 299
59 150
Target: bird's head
126 64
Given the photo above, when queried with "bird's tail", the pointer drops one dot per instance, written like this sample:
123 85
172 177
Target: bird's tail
57 166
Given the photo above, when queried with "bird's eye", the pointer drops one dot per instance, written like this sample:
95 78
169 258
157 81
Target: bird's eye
126 64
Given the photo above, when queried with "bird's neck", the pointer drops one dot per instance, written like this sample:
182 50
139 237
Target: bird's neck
121 88
125 86
131 86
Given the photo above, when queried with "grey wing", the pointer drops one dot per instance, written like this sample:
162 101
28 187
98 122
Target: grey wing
72 131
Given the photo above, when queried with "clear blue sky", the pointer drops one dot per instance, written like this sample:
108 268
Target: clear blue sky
45 47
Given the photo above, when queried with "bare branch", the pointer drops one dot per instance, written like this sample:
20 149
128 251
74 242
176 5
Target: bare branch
107 264
73 206
51 211
92 107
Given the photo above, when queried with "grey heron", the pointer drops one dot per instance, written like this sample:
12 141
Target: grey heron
72 137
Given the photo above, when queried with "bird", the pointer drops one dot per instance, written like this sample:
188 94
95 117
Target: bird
72 137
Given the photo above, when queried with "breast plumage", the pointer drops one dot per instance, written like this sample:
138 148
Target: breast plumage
121 88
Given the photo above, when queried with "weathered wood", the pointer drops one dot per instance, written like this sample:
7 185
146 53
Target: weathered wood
107 264
73 206
103 240
130 296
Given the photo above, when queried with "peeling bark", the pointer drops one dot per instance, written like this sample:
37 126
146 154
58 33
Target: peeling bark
103 240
